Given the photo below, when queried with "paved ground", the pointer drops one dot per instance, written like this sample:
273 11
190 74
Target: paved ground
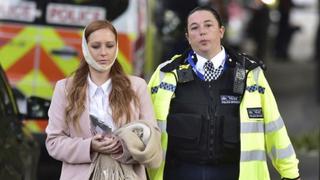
294 86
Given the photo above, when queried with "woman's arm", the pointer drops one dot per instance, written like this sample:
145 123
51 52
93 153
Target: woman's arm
146 114
59 143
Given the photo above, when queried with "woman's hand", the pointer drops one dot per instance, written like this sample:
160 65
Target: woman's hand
106 144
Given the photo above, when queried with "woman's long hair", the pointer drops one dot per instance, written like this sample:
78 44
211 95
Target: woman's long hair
121 98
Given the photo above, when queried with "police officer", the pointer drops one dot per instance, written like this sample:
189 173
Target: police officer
218 116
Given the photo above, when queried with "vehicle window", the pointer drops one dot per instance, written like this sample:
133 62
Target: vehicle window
4 96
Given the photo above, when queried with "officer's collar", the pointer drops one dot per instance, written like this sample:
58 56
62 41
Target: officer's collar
232 59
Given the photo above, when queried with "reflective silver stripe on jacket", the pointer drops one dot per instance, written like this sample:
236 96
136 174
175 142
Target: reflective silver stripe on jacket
254 155
255 73
246 127
281 153
164 153
274 125
162 126
162 74
256 86
260 155
259 126
252 127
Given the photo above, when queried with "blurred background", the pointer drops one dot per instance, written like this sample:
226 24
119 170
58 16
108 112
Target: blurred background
40 43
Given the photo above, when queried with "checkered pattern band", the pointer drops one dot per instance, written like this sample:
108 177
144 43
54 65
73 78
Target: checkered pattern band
211 73
163 85
255 87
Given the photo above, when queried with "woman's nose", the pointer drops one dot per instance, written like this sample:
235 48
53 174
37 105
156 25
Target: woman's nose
103 51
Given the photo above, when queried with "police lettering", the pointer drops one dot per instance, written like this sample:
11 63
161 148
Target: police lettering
73 14
24 11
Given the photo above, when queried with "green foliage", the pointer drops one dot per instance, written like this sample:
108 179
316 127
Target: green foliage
307 142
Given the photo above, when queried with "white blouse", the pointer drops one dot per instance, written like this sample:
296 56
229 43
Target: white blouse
99 102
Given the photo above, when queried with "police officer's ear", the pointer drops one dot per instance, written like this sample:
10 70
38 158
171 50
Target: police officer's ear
222 31
187 36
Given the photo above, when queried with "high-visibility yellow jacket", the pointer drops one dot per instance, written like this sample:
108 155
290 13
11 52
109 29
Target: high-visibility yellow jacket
259 136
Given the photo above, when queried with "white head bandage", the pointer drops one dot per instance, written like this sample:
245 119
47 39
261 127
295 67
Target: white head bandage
89 59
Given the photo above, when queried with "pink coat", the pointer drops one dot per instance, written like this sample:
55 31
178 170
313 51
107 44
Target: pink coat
71 147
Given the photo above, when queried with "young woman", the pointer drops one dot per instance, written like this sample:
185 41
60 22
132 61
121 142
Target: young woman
99 99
